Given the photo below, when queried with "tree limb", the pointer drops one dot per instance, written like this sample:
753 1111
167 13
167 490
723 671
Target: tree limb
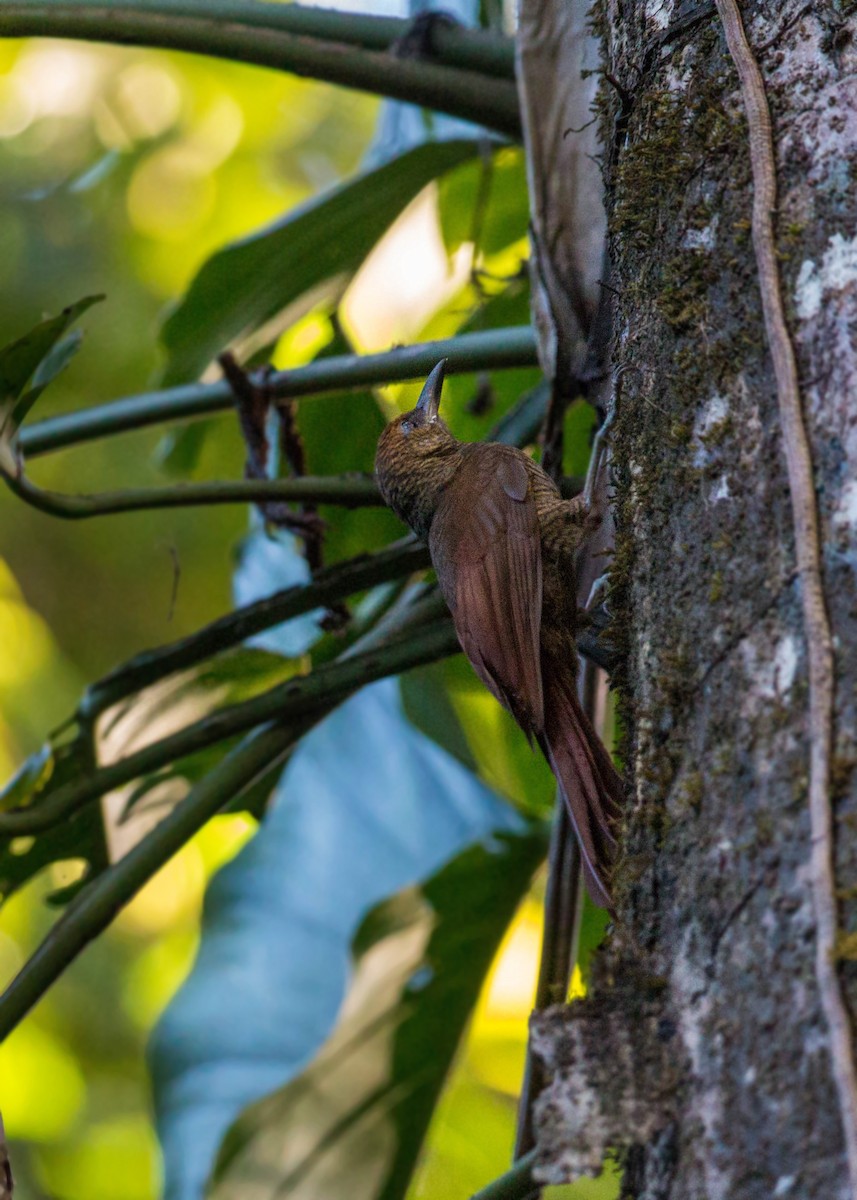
326 588
484 350
94 908
318 693
354 492
452 44
488 100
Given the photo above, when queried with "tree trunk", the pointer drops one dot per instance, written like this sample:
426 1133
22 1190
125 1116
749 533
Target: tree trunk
703 1051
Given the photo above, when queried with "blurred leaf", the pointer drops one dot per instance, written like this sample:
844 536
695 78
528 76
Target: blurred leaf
269 561
503 756
316 247
593 927
30 776
39 355
428 707
178 452
80 836
499 187
354 1122
366 806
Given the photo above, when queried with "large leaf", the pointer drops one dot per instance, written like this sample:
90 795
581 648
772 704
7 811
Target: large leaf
485 201
311 253
354 1122
366 806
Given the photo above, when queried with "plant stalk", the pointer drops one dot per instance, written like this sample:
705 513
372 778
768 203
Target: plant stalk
485 350
484 99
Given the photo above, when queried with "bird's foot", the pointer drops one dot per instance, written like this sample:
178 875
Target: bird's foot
596 460
598 593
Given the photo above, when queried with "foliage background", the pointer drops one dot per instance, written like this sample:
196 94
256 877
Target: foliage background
121 171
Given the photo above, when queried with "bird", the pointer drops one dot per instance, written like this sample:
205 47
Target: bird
503 543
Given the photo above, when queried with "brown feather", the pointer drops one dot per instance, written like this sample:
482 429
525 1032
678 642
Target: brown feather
590 784
485 546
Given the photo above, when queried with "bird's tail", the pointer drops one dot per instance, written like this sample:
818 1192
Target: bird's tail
590 784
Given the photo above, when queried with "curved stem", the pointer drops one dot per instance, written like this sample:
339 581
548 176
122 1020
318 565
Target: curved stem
487 100
453 45
810 561
485 350
94 908
349 493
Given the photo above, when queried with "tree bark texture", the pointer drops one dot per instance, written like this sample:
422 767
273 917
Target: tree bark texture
701 1054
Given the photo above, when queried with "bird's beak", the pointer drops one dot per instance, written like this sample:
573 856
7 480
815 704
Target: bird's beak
429 401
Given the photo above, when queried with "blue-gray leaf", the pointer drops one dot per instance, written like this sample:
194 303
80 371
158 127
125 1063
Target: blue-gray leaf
366 806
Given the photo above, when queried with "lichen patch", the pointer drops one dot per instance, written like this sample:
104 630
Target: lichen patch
837 271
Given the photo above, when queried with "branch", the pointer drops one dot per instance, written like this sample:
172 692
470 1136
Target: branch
485 350
94 908
516 1184
485 99
317 693
819 640
355 492
326 588
452 44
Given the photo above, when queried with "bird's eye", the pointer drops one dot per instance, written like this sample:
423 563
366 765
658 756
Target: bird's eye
407 426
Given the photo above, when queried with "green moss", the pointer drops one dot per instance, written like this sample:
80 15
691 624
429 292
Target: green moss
845 947
717 587
717 433
766 828
690 792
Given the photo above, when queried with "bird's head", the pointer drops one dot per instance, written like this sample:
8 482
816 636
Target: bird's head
416 457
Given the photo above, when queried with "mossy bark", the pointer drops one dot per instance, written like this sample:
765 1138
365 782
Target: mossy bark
701 1054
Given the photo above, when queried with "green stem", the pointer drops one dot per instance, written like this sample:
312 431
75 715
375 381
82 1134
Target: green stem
317 693
453 45
349 493
516 1184
485 350
327 587
485 99
96 906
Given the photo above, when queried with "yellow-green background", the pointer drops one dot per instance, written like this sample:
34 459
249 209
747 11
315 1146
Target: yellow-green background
120 171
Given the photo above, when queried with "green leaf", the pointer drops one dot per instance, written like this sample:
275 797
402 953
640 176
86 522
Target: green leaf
80 836
499 187
428 707
354 1122
39 355
310 254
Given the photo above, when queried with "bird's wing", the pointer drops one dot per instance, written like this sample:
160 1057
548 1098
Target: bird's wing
486 549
